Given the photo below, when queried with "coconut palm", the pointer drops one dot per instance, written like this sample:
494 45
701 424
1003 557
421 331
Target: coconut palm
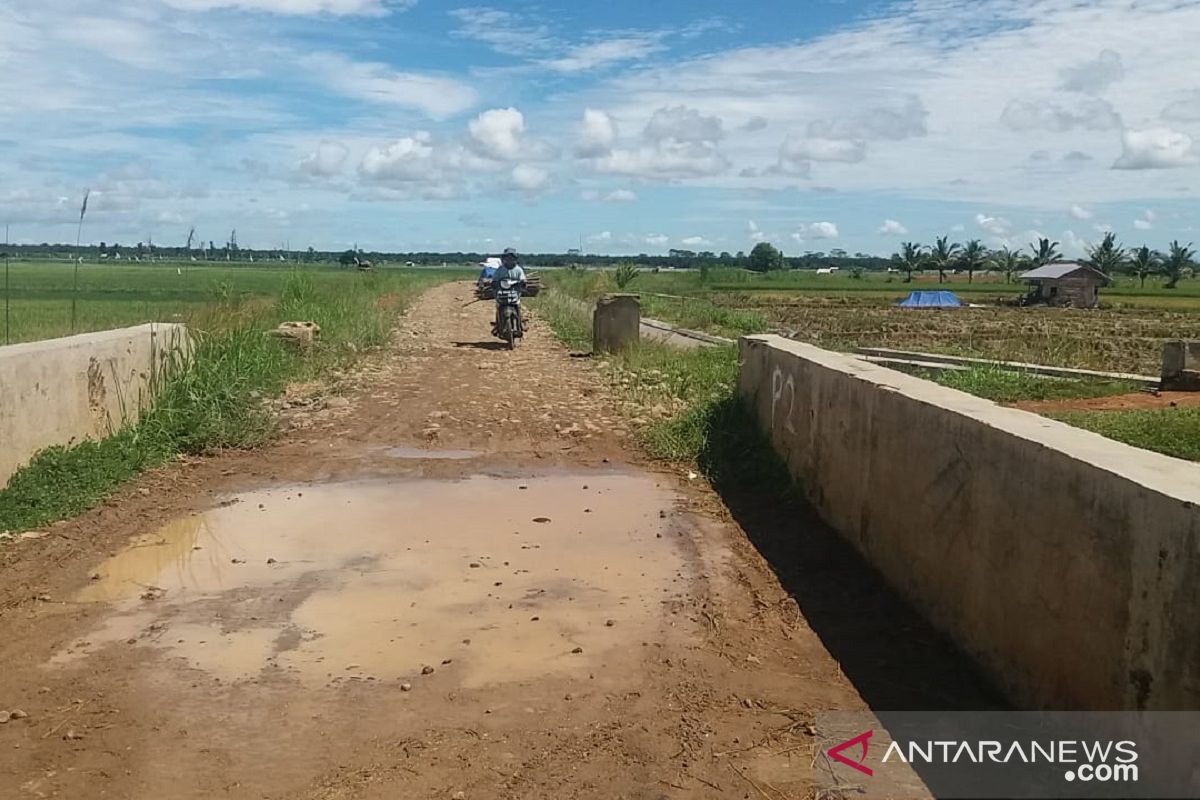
1108 257
1045 252
1180 260
1008 261
973 256
942 255
911 258
1144 262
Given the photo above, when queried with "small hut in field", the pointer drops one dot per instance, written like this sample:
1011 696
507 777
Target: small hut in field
1065 283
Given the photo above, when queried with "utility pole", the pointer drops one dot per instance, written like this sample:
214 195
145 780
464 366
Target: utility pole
77 259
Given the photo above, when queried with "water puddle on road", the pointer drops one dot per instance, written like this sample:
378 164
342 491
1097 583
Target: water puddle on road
417 453
493 579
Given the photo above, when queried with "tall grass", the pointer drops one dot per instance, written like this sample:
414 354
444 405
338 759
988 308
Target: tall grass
213 399
116 295
1008 386
1170 431
687 308
683 403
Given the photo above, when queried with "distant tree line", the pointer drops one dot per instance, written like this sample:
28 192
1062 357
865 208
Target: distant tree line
1108 256
944 256
230 251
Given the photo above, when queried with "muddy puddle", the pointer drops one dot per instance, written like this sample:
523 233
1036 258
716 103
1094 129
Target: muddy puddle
488 579
416 453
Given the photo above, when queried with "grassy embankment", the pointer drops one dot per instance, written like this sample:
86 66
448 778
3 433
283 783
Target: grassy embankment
1006 386
216 400
1170 431
683 402
687 306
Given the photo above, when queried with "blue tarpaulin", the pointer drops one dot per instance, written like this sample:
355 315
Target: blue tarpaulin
930 300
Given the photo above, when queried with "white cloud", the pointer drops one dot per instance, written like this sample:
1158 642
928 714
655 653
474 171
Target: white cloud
598 54
695 241
941 58
1155 148
596 134
296 7
817 230
997 226
680 143
497 132
891 121
1143 224
1093 77
1073 246
1186 109
1085 114
1149 214
410 158
620 196
435 95
798 151
530 178
326 160
599 238
657 240
667 160
753 231
503 30
891 227
1079 212
683 124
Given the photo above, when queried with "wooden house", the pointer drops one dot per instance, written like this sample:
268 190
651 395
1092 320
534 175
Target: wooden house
1065 283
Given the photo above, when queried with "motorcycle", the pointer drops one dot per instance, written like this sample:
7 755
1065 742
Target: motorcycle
509 325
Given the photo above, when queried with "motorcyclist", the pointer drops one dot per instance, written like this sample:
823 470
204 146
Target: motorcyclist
509 270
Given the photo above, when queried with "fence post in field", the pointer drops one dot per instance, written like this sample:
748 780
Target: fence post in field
7 285
76 257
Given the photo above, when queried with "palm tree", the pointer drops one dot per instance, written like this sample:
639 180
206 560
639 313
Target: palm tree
1008 261
1144 262
1179 260
1107 256
942 255
973 256
1045 252
911 259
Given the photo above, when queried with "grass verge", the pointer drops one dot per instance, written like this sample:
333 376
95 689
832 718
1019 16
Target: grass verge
215 399
1170 431
688 310
683 403
1007 386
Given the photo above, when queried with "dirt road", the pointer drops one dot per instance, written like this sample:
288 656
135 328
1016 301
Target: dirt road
451 577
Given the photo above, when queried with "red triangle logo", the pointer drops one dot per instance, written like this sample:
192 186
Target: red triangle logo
863 740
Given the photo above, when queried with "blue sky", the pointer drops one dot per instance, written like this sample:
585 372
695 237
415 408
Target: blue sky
628 126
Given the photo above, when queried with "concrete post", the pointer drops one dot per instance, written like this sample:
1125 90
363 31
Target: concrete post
1181 366
616 323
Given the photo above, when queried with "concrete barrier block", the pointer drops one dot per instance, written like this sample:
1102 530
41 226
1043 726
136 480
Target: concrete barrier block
1181 366
61 391
616 323
1066 564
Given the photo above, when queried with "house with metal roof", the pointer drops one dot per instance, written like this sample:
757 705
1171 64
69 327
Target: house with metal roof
1065 283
